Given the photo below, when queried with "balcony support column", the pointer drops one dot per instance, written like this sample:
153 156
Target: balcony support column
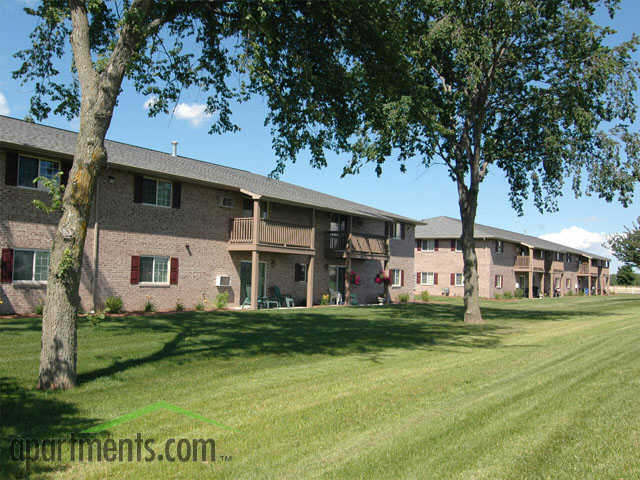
312 261
255 256
542 285
530 272
589 283
348 248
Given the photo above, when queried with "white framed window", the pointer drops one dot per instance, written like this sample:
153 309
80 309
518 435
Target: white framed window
499 246
227 202
458 245
427 278
300 272
568 284
396 277
558 257
459 280
154 269
428 245
397 231
30 265
567 258
498 281
30 168
156 192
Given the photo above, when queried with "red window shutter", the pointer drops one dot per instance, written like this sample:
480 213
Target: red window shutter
453 279
453 245
436 245
6 275
418 278
173 275
135 270
11 168
402 278
137 188
418 245
435 278
495 281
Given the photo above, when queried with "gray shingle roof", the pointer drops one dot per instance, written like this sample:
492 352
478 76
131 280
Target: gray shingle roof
448 227
18 133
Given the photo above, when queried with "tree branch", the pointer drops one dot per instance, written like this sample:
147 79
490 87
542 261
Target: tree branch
80 43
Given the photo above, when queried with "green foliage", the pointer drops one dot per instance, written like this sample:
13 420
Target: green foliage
56 191
518 293
222 300
39 308
324 299
96 318
199 307
497 296
569 293
113 304
149 306
626 247
403 298
179 306
625 275
424 296
507 295
66 265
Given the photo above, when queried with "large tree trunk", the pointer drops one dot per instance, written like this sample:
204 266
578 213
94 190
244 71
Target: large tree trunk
59 338
468 201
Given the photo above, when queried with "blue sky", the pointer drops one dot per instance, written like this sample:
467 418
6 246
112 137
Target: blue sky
582 223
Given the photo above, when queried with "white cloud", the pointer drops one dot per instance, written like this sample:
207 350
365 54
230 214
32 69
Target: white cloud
193 112
4 105
577 237
149 102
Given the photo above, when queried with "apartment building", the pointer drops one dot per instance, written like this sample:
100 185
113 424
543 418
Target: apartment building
506 261
170 229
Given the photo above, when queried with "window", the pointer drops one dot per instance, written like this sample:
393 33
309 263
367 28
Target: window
558 257
427 278
568 284
397 231
30 168
30 265
459 280
396 277
568 259
227 202
428 245
499 246
458 245
498 281
300 272
556 284
156 192
154 269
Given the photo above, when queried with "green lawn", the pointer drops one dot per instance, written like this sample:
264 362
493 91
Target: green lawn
545 389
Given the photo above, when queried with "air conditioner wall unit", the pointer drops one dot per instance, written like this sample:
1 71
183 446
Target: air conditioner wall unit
223 281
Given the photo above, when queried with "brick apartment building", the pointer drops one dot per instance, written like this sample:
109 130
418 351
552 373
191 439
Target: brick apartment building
169 228
506 261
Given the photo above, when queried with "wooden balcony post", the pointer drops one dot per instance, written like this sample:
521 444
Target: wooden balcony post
256 220
530 272
312 261
542 284
348 247
589 283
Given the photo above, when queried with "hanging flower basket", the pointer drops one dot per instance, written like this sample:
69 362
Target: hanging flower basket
382 278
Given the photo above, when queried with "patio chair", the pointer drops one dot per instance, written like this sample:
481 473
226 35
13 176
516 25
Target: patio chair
284 300
335 296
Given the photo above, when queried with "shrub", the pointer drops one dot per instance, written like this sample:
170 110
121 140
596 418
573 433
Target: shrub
179 306
96 318
569 293
222 299
497 296
424 296
507 295
581 293
403 298
149 306
324 299
39 310
199 306
518 293
113 305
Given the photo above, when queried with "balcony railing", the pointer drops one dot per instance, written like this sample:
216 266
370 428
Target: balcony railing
524 262
584 269
271 233
361 243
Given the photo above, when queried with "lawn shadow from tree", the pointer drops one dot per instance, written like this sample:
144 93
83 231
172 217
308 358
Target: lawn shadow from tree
330 331
29 414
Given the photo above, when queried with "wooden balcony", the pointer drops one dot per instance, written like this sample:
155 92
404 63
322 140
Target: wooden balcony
584 269
555 266
523 262
362 245
272 236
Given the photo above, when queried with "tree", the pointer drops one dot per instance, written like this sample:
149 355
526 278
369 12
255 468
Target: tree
531 88
625 275
626 246
160 48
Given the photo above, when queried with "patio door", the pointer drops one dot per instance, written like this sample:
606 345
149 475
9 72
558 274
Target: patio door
245 280
336 278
